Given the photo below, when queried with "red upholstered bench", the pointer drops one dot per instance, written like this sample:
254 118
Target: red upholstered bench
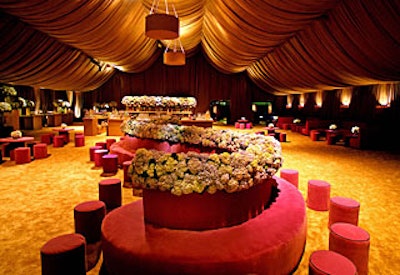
352 242
64 254
40 150
22 155
343 209
271 243
324 262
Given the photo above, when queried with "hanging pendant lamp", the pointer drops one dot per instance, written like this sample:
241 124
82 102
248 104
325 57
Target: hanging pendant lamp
162 26
174 56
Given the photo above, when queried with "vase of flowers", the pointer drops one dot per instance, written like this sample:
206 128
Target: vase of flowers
16 134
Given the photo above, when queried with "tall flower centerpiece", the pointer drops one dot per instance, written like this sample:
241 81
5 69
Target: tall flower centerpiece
159 103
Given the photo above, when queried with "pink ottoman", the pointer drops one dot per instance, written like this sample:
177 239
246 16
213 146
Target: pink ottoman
22 155
282 137
64 254
343 210
237 125
40 150
318 195
110 141
91 151
46 138
79 140
352 242
127 179
110 193
291 176
103 144
249 125
110 164
242 125
58 141
98 157
324 262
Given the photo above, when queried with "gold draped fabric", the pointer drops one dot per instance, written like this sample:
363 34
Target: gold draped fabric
286 47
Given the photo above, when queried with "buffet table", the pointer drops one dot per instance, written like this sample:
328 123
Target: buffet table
271 243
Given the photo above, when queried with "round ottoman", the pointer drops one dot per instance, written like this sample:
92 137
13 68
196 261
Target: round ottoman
91 151
22 155
102 144
79 140
110 141
318 195
88 217
314 135
98 157
46 138
40 150
291 176
110 164
64 255
343 209
282 137
110 193
127 179
352 242
58 141
326 262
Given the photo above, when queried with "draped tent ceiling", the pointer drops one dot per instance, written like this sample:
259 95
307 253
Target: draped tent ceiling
285 46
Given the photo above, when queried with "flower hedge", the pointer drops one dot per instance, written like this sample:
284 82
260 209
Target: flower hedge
165 102
239 160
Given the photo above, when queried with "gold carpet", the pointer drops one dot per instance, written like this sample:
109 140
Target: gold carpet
37 199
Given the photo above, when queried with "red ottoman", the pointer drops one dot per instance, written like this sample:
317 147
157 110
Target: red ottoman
291 176
64 254
282 137
237 125
110 141
249 125
91 151
46 138
242 125
127 179
79 140
324 262
314 135
88 217
110 164
40 150
98 157
22 155
352 242
58 141
318 195
343 210
103 144
110 193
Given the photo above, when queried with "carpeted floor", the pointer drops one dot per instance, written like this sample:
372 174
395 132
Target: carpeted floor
37 199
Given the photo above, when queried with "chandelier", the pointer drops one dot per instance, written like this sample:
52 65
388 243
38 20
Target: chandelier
162 26
174 55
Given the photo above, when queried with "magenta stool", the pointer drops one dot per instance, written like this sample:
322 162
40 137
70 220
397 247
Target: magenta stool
46 138
282 137
40 150
110 193
110 141
352 242
79 140
343 210
249 125
291 176
91 151
98 157
237 125
127 178
64 254
318 195
326 262
103 144
58 141
110 164
242 125
22 155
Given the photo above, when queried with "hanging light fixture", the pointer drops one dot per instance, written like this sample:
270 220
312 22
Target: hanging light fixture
162 26
175 56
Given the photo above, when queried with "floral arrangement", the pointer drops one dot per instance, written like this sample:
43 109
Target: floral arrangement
271 125
355 130
5 107
63 125
164 102
16 134
332 127
243 159
7 91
